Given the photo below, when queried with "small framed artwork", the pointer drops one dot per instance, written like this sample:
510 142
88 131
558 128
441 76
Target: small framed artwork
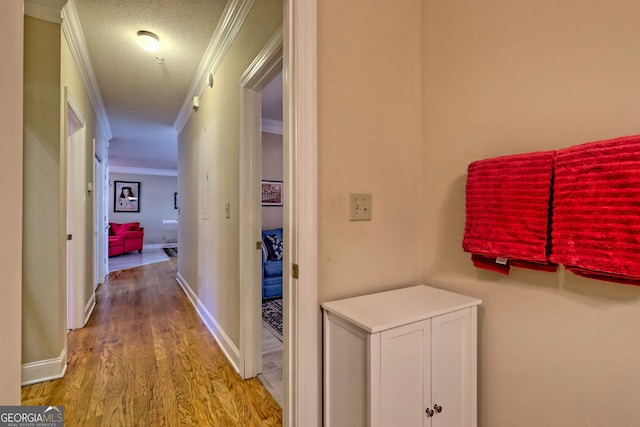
271 193
175 200
126 196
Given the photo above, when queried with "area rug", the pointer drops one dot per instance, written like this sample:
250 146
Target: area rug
171 251
272 316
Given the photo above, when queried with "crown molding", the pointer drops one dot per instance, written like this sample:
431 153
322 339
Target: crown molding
47 10
269 59
77 44
142 171
233 16
272 126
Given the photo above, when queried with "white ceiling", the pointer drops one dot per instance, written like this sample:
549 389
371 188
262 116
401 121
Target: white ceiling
142 97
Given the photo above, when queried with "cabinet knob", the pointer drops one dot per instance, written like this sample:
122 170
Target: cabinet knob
429 412
437 408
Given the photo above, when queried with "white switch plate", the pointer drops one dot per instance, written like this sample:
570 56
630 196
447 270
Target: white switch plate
360 207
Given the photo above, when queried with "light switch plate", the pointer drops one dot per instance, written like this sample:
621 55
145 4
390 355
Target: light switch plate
360 207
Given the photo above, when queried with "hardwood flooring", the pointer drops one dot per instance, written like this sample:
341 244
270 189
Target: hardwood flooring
145 359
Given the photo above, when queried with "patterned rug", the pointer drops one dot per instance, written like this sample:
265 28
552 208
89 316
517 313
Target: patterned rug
272 316
171 251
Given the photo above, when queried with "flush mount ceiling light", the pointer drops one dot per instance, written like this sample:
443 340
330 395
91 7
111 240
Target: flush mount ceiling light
148 40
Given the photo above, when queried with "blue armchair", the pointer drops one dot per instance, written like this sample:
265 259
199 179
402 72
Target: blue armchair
272 263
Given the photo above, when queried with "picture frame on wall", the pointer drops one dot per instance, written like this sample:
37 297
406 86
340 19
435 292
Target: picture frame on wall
126 196
271 193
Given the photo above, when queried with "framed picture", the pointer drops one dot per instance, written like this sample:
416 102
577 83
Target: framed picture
175 200
126 196
271 193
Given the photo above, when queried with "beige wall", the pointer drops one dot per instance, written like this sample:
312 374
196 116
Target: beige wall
504 77
209 143
272 170
11 87
43 321
49 68
408 97
369 141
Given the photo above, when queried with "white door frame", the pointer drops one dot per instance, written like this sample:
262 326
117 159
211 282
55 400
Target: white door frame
302 370
75 196
99 220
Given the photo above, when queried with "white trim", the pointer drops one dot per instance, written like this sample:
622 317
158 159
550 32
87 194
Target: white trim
47 10
74 108
233 16
44 370
272 126
88 308
77 44
225 343
159 245
266 65
302 371
142 171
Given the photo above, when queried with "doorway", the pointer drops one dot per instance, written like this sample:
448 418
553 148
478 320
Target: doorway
272 163
262 71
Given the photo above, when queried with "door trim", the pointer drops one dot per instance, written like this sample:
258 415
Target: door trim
302 371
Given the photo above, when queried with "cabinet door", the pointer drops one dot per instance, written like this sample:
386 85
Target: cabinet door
404 375
451 369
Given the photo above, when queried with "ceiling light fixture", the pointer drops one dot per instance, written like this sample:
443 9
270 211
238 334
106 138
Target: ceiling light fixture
148 40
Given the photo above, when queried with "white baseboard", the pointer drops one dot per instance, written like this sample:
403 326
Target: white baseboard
160 245
44 370
225 343
88 309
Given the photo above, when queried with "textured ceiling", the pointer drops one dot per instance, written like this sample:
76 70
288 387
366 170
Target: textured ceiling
143 98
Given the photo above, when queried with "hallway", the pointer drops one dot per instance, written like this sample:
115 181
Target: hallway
145 359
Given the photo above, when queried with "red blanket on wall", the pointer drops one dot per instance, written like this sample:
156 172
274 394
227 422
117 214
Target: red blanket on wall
596 210
507 212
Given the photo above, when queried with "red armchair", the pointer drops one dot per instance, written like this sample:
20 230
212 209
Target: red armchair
125 238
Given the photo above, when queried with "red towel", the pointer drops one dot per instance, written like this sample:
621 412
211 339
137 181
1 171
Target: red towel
507 211
596 210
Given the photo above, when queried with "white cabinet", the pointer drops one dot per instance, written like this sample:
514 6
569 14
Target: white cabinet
401 358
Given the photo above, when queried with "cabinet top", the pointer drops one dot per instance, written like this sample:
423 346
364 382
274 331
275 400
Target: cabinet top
385 310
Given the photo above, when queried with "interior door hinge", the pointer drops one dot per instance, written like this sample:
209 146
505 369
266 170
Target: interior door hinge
259 246
295 271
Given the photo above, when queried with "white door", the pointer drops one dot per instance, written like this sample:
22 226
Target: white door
405 386
76 218
71 223
451 369
97 223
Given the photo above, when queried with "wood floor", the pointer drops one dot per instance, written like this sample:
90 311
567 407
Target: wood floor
145 359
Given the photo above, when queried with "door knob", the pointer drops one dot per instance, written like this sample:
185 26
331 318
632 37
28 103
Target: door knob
429 412
437 408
